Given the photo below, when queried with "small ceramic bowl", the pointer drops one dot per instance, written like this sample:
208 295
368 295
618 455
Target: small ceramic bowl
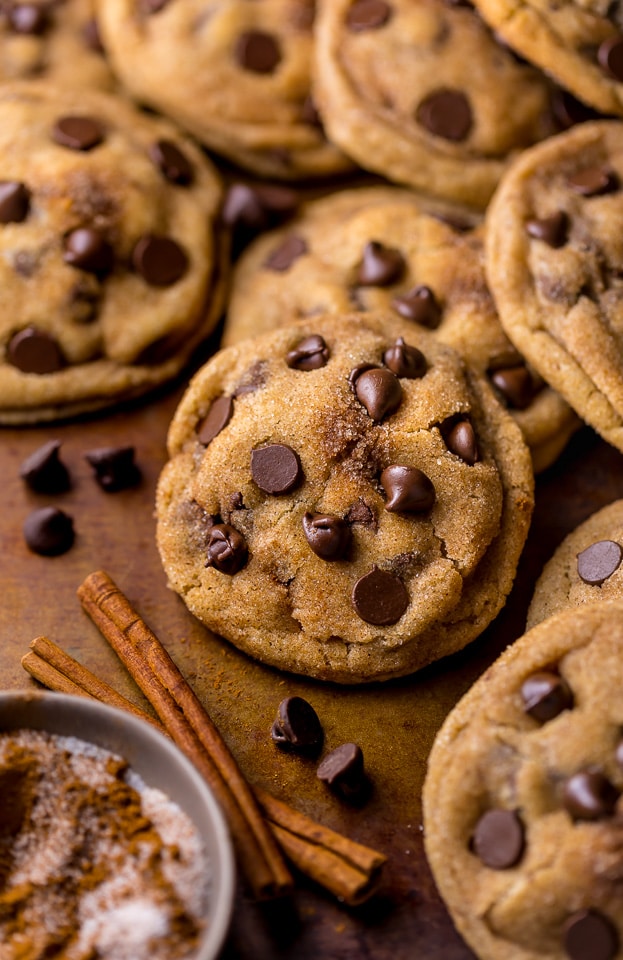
159 763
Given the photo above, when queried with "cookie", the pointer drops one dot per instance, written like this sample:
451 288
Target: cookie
235 74
555 263
523 814
382 248
422 93
343 498
108 269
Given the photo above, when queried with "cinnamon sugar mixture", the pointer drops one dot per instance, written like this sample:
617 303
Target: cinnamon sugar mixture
93 864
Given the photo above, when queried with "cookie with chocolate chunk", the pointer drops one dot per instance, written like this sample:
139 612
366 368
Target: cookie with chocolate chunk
108 267
343 499
555 267
383 248
235 74
421 92
523 805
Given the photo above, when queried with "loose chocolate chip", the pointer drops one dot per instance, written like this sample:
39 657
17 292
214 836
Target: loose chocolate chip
92 36
311 353
78 133
297 726
409 489
329 537
87 249
49 531
159 260
227 549
28 18
257 51
446 113
34 351
44 471
419 305
498 839
599 561
342 770
405 361
216 419
114 467
380 265
610 57
286 253
589 795
367 15
379 391
516 386
593 181
461 440
589 935
276 468
551 230
14 201
172 163
380 598
545 695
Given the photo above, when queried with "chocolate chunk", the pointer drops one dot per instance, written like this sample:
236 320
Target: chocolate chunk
227 549
419 305
44 471
362 513
498 839
461 440
297 726
516 386
589 935
28 18
589 795
545 695
379 391
159 260
329 537
34 351
114 468
14 201
405 361
49 531
409 489
551 230
78 133
367 15
342 770
216 419
610 57
380 265
87 249
286 253
380 598
311 353
276 468
92 36
257 51
599 561
447 114
593 181
172 162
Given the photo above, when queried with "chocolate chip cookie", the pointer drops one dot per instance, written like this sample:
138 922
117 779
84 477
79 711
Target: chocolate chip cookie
235 74
523 813
555 267
382 248
343 498
421 92
107 265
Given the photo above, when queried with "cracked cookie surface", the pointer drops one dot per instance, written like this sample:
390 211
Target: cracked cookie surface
341 502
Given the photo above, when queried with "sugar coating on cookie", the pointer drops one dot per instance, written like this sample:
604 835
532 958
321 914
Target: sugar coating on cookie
343 499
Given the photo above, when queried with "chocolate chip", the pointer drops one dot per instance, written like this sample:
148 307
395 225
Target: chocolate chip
251 209
172 163
252 379
599 561
276 468
14 201
257 51
92 36
78 133
404 360
311 353
286 253
610 57
593 181
114 467
461 440
159 260
498 839
380 265
28 18
367 15
361 512
409 489
44 471
551 230
545 695
589 795
446 113
516 386
589 935
379 391
329 537
216 419
568 110
342 770
297 726
87 249
34 351
419 305
227 549
49 531
380 598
